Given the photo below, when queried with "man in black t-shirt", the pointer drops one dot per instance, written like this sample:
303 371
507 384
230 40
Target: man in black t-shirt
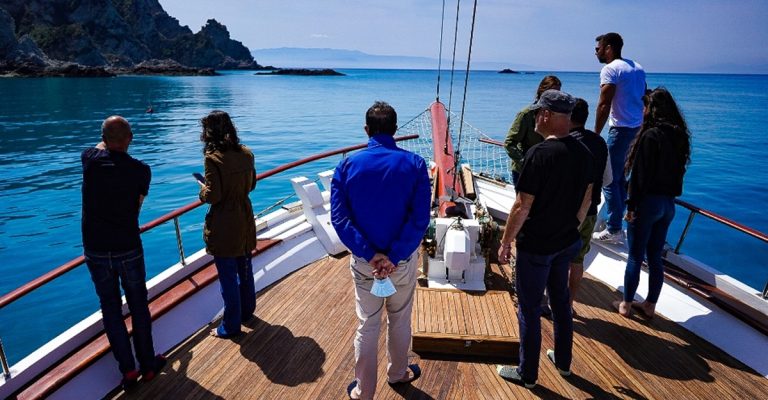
114 187
601 177
553 194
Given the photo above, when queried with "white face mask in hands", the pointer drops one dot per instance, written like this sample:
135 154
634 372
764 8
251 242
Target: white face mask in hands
383 287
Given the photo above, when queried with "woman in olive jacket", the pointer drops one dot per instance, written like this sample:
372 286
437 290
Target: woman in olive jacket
230 230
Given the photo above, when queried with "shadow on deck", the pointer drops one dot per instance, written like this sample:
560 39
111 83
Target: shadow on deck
300 347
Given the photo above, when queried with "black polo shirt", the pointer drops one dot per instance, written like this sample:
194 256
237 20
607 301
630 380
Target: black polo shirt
556 172
112 184
599 150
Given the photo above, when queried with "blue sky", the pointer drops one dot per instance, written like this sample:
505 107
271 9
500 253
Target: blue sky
664 36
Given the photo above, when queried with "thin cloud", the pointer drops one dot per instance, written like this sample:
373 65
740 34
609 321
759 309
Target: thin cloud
319 36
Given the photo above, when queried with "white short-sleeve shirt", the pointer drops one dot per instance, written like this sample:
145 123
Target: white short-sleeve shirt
627 104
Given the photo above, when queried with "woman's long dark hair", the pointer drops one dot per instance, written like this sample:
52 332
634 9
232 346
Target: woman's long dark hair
548 82
661 112
219 133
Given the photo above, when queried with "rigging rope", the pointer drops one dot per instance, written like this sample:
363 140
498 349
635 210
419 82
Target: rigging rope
453 68
440 53
453 58
457 153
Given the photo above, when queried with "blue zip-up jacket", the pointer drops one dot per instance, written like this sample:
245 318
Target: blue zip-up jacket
380 200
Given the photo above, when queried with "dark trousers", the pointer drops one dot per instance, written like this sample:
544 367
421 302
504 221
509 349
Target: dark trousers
238 291
110 270
534 273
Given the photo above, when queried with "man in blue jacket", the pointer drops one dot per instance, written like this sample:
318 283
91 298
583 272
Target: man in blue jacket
380 202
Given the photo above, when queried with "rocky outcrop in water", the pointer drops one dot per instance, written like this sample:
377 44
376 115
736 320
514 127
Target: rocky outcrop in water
110 36
302 72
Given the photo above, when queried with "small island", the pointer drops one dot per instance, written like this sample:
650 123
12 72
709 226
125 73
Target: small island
508 71
302 72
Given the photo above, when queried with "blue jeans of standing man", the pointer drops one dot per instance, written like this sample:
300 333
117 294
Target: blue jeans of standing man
646 236
110 270
238 291
534 273
619 139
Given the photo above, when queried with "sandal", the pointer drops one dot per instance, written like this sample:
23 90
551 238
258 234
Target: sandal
640 308
617 305
415 370
350 388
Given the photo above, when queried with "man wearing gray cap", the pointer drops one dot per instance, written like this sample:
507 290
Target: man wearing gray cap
553 196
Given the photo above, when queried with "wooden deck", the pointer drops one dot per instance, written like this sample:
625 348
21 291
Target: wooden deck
301 348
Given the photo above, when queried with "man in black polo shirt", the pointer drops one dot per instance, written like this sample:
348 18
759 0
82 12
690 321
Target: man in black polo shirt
601 176
114 186
553 194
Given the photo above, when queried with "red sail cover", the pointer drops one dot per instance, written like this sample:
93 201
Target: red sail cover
444 158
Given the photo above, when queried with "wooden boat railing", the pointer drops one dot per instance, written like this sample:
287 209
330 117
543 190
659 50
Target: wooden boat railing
174 215
693 211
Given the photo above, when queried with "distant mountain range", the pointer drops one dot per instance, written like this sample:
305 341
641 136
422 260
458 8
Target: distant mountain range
292 57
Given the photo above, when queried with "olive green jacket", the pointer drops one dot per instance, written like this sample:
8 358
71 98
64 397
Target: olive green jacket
521 137
230 230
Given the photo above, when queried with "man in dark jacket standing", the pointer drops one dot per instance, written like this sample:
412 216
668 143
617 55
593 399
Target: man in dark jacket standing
114 187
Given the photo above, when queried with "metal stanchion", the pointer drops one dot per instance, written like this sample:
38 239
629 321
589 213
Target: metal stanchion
4 362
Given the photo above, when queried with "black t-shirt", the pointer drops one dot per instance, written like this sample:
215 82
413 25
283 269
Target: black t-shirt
112 184
556 172
599 150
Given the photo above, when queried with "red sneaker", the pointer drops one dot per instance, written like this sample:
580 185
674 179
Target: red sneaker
130 379
160 362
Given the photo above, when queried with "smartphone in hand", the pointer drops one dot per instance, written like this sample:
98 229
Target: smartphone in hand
200 178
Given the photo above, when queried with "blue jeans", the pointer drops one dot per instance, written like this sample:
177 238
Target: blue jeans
110 270
535 273
646 237
619 140
238 291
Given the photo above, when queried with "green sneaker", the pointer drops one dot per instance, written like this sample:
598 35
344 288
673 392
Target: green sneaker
551 356
511 374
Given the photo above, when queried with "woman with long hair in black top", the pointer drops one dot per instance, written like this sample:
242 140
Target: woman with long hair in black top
655 167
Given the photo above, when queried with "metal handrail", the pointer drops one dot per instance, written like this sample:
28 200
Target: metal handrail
719 218
694 210
72 264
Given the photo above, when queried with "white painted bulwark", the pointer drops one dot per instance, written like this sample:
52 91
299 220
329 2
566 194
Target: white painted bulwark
317 214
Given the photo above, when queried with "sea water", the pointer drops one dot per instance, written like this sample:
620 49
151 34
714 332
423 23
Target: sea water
46 123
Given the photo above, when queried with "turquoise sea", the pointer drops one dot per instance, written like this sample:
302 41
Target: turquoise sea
46 123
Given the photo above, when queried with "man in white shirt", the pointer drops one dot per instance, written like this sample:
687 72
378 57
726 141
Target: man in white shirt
622 86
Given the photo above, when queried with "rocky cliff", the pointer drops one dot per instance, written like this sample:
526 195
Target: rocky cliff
109 35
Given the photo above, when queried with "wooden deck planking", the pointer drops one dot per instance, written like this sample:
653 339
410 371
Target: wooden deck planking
301 348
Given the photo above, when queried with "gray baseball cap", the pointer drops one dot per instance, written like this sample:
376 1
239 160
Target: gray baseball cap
555 101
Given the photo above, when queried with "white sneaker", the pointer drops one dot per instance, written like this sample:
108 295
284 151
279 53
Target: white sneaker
607 237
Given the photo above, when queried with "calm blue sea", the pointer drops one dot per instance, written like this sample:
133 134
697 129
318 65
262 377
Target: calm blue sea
46 123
